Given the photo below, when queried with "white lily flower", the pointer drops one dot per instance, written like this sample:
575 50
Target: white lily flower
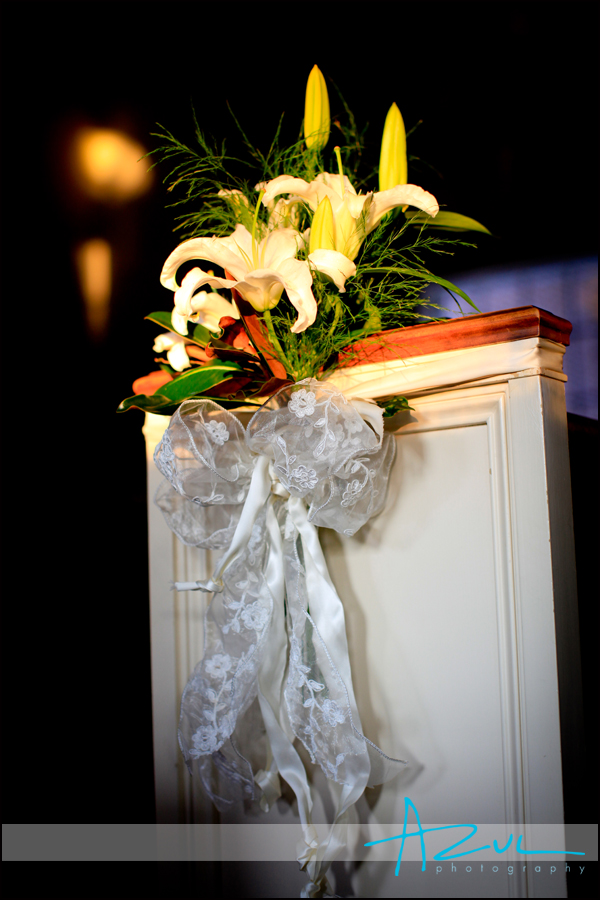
174 345
260 271
282 213
354 215
208 308
334 265
240 206
237 199
322 253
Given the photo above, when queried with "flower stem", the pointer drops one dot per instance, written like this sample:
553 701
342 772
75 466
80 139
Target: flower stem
272 336
338 156
338 312
254 223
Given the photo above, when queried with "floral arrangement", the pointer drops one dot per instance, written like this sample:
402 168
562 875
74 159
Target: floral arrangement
311 265
307 266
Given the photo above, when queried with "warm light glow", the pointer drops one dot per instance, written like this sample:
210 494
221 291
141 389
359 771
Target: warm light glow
94 265
109 166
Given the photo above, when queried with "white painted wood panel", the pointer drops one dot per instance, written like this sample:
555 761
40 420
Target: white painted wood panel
449 597
424 642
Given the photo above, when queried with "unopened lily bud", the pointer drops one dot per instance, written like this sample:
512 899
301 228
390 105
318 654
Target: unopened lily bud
393 169
322 235
316 111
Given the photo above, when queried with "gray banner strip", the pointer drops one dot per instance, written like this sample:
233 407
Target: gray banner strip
276 843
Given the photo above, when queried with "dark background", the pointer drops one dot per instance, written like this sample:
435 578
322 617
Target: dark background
508 98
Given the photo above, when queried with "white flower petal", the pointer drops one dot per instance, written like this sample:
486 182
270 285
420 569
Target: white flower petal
165 341
298 285
179 322
283 184
333 180
216 250
312 193
334 265
401 195
240 243
283 243
261 288
195 278
209 307
178 357
354 203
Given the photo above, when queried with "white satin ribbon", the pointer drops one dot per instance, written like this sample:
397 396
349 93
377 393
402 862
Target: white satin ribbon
327 614
324 614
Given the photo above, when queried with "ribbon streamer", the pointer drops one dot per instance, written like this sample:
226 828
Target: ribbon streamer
276 666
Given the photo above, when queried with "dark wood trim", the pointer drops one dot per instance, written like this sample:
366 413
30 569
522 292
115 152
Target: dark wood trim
458 334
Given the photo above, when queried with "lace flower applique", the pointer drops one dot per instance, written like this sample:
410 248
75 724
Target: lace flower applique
218 665
218 432
352 492
205 741
304 477
255 616
332 713
302 403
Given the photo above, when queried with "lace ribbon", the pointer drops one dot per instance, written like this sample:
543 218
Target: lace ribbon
276 665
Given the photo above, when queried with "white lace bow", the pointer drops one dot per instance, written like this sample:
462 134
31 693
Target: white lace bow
276 664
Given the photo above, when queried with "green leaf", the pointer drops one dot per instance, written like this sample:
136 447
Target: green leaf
393 405
147 402
452 288
197 381
161 318
448 221
426 276
200 335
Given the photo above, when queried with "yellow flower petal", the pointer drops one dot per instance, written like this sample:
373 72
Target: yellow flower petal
322 232
393 166
316 111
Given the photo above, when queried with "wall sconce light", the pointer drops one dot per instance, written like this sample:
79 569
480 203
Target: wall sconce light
108 165
93 259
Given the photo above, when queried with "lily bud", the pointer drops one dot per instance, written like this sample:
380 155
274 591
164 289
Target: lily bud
322 235
316 111
393 168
